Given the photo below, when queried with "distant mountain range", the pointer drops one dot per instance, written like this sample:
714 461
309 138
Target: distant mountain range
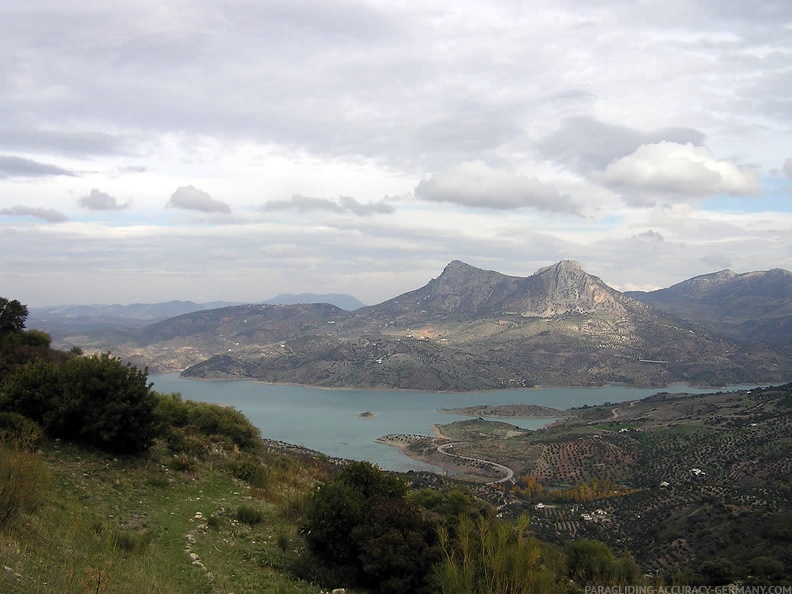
63 320
467 329
754 307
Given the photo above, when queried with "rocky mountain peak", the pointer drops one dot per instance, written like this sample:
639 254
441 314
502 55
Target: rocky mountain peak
566 288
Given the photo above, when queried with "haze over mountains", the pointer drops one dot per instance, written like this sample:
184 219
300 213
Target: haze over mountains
467 329
68 319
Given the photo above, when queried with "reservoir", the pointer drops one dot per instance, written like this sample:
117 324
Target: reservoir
329 421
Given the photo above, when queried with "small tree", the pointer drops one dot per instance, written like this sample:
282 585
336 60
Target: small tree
362 529
12 316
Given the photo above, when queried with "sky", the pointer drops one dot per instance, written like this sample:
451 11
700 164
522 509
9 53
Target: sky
233 150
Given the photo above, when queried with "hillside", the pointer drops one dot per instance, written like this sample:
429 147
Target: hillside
467 329
754 307
673 477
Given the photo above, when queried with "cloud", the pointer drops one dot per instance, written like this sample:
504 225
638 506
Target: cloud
652 235
365 209
45 214
476 184
97 200
716 261
787 169
681 169
585 144
304 204
20 167
60 142
191 198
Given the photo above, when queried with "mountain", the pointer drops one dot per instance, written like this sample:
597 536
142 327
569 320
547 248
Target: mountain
465 291
754 307
347 302
467 329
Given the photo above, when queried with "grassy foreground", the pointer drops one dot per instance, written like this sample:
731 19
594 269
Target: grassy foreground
160 523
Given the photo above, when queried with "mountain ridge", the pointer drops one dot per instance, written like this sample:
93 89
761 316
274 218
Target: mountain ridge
467 329
751 307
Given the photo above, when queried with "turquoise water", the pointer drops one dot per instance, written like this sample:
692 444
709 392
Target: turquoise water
327 420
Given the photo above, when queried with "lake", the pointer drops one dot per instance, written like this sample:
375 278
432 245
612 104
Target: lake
327 420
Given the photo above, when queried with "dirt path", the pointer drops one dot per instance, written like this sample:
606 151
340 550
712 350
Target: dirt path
508 472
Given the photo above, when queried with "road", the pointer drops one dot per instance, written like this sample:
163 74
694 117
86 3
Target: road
508 472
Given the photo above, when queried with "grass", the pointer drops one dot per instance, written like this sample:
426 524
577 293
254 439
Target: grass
135 525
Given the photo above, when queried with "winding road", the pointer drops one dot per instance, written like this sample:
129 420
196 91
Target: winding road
508 472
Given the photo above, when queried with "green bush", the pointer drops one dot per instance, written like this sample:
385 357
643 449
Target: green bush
210 420
592 562
362 531
36 338
249 469
96 400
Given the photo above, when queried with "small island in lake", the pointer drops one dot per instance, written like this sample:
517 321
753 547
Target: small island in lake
366 414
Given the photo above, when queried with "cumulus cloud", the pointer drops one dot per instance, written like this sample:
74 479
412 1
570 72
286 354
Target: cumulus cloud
11 166
97 200
45 214
682 169
476 184
788 167
303 204
191 198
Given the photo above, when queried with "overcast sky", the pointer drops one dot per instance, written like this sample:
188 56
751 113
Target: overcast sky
236 149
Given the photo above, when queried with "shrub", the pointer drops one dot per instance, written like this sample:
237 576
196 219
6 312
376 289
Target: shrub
96 400
23 482
181 463
35 338
129 541
211 420
19 432
249 469
592 562
487 555
361 529
248 514
213 522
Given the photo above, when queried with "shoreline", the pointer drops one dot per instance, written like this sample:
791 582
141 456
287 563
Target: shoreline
475 391
437 458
